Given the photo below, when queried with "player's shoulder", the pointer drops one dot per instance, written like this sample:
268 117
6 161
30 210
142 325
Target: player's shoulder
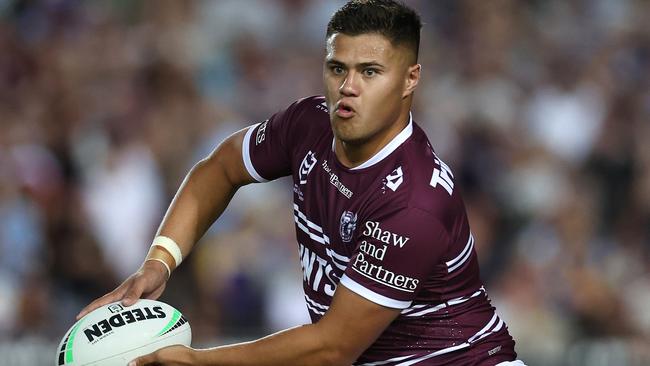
306 116
314 105
429 183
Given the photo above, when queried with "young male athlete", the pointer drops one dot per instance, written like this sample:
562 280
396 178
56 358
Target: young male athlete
390 272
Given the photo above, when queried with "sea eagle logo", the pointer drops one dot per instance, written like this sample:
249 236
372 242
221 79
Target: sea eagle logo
348 225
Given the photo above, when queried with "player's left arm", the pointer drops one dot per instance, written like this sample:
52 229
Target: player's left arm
348 328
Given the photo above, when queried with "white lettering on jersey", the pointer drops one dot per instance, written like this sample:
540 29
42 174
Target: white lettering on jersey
323 107
334 180
395 179
308 163
386 277
442 176
374 231
373 251
311 262
261 133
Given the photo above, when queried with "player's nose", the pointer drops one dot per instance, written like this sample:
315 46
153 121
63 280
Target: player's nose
350 86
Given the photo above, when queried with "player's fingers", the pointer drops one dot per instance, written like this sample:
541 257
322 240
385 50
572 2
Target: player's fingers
168 356
144 360
106 299
133 293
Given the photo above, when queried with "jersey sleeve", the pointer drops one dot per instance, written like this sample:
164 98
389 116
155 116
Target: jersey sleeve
394 256
266 149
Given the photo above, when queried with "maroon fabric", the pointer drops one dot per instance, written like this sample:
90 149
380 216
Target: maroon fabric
394 232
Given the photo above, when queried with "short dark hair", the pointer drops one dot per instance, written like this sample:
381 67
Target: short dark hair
389 18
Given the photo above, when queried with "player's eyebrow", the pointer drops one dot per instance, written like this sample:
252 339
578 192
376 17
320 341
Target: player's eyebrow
334 62
361 65
364 65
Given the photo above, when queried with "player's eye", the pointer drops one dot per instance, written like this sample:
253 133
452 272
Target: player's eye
370 72
337 70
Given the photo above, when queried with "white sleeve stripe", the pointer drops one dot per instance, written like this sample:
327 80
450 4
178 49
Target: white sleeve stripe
248 163
373 296
463 260
462 254
467 255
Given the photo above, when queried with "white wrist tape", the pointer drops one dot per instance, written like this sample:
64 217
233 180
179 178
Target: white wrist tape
171 246
169 271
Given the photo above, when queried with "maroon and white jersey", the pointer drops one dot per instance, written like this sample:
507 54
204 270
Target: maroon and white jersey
393 230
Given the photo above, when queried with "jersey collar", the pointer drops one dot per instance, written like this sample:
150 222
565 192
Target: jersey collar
388 149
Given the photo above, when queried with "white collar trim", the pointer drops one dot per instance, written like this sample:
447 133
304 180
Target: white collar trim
388 149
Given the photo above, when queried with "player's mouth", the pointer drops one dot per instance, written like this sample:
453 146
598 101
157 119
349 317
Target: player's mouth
344 110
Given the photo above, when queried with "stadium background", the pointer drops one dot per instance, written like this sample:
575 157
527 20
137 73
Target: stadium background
542 108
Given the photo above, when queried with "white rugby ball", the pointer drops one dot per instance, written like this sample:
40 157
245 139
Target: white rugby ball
113 335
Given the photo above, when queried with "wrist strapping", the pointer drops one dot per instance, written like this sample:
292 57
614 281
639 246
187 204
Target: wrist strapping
169 271
170 246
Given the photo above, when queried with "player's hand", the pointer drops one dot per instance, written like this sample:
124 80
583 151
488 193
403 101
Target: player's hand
168 356
147 283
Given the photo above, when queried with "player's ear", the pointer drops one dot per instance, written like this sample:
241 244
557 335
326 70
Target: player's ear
412 79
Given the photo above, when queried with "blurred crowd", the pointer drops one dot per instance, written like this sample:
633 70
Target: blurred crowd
540 107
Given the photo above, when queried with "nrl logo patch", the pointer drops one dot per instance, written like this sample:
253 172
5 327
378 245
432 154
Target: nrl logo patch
306 166
348 225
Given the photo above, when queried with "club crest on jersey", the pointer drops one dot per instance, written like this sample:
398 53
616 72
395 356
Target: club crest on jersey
308 163
348 225
394 179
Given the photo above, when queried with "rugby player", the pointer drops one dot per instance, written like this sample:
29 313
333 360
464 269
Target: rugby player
391 275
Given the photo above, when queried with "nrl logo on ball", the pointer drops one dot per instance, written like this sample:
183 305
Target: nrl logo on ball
348 224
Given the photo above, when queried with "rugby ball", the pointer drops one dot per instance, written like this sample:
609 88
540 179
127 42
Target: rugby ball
113 335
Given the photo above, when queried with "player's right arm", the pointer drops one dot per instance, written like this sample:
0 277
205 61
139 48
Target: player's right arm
202 197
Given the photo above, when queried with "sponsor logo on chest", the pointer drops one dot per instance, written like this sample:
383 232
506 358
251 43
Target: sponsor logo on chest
318 272
373 230
334 180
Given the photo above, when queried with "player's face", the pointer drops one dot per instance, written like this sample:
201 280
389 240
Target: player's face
368 85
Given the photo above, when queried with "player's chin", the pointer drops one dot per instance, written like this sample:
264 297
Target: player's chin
337 120
341 129
350 137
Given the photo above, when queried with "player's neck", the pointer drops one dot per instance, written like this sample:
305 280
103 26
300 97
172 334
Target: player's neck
352 155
